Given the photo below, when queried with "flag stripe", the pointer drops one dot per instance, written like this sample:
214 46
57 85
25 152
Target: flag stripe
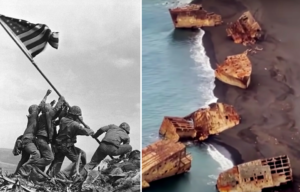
33 38
38 42
55 45
37 27
36 50
54 37
36 38
32 35
14 37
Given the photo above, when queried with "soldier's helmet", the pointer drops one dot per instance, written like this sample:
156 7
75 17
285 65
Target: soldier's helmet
32 108
75 110
125 126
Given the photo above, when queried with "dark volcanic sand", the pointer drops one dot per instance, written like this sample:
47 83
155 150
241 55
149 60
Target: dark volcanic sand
270 107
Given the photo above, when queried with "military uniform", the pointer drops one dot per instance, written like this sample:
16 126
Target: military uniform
65 140
111 144
44 133
30 152
19 149
27 143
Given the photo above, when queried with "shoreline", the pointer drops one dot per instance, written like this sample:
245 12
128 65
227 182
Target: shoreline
268 108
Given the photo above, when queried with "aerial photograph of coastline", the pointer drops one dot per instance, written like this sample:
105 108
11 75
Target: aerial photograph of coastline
220 95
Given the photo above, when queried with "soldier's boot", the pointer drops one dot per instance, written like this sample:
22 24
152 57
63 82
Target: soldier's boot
37 176
82 176
25 170
78 178
60 175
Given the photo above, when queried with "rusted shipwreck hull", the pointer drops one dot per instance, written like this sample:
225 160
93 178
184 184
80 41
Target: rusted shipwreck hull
256 175
235 70
163 159
201 123
193 16
245 30
177 128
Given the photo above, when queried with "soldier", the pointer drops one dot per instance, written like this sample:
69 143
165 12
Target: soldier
110 144
65 140
55 124
29 147
45 132
18 149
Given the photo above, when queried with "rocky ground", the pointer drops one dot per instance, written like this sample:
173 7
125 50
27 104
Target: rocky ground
118 175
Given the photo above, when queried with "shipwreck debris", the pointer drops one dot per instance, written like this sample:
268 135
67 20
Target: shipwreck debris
256 175
215 119
245 30
163 159
177 128
235 70
193 16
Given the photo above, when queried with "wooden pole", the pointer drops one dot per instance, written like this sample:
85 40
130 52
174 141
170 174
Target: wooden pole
34 64
28 56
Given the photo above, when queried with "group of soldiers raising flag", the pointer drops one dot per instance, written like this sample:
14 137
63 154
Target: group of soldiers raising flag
43 144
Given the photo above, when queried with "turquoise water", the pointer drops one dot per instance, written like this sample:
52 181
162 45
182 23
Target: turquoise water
177 79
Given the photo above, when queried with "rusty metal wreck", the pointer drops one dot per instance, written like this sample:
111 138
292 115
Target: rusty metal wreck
256 175
235 70
214 119
163 159
193 16
245 30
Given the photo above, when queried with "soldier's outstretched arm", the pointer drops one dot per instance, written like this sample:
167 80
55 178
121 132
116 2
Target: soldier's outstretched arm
58 107
43 102
79 130
101 130
45 97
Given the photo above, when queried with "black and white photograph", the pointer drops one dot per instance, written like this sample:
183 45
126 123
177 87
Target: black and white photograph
70 95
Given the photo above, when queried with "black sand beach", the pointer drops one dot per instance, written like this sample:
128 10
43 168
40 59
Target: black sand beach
270 107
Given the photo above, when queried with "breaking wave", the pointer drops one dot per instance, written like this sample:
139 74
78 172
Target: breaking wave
219 157
207 76
205 72
172 4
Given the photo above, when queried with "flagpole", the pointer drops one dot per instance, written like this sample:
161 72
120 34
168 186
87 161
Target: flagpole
33 63
31 59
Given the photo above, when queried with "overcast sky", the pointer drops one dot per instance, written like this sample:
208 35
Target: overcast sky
97 65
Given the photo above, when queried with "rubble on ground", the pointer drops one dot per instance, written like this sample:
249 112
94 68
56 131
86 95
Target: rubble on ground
119 175
193 16
235 70
163 159
245 30
200 124
256 175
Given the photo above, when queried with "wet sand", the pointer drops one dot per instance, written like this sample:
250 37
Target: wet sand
270 107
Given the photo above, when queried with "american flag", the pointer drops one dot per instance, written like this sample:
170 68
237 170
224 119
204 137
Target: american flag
32 37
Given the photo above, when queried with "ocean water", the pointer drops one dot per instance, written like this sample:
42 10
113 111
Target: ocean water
177 79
